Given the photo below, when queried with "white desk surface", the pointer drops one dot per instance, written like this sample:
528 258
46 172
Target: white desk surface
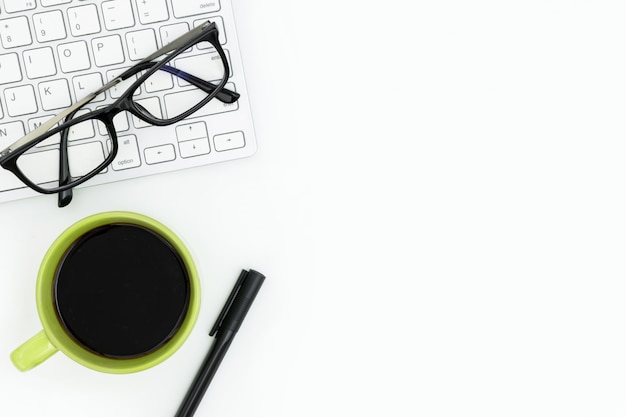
438 202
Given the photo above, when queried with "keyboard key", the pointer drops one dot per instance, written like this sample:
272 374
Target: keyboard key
15 32
127 153
119 89
20 100
10 132
35 122
107 50
84 20
12 6
84 157
191 131
82 130
87 84
193 139
141 44
47 3
191 148
172 32
55 94
49 26
151 11
193 7
9 69
117 14
74 56
39 63
159 81
229 141
159 154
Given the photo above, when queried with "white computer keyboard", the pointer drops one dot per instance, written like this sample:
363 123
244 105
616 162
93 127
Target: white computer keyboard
54 52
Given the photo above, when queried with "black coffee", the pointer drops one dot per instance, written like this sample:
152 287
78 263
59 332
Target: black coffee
121 291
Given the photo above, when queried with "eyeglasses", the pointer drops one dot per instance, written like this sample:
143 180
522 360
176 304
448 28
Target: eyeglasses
68 166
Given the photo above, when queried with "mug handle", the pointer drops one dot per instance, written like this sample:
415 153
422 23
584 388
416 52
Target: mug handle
33 352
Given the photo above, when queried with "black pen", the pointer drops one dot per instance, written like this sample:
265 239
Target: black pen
225 328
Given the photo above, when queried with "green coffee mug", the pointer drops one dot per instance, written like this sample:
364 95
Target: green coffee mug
117 292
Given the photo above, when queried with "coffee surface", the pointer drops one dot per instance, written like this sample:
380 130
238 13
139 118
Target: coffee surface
121 291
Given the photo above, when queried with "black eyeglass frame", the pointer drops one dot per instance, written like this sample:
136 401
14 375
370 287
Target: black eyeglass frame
206 32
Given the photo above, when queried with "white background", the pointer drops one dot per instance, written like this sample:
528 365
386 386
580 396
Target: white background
438 204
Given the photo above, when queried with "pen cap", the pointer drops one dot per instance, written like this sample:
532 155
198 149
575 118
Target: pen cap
239 302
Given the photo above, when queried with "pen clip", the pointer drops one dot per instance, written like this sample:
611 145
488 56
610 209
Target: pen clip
229 303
